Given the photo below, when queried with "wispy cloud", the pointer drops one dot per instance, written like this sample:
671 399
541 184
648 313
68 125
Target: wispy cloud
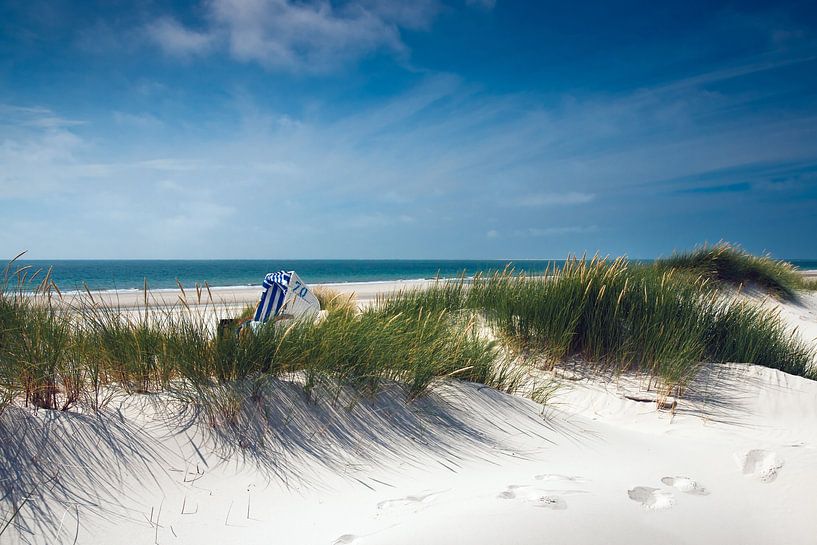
34 116
738 187
397 168
138 120
553 199
555 231
37 150
177 40
433 163
313 36
296 36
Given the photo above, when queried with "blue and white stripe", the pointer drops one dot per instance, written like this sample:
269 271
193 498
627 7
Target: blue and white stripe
275 291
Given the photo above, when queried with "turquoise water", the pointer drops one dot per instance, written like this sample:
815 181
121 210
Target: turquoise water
162 274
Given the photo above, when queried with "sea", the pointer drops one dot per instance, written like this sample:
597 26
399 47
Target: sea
126 274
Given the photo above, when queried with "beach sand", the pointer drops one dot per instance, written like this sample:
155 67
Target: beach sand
236 297
735 461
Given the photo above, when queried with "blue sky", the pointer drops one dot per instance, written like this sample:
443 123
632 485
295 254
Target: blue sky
389 129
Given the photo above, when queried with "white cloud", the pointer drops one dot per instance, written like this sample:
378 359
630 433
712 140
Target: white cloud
35 116
37 150
178 40
190 220
167 164
417 14
140 121
554 199
311 36
373 220
554 231
439 162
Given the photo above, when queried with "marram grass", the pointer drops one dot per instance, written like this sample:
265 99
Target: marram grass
54 355
661 320
727 263
621 315
741 332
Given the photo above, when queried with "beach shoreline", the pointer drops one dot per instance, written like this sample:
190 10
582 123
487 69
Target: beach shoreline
234 297
230 297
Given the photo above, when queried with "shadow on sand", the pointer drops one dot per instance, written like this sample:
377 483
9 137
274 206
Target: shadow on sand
61 470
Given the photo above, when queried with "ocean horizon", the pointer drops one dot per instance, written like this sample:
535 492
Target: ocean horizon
128 274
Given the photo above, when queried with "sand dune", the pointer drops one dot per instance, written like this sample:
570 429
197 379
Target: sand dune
466 464
734 461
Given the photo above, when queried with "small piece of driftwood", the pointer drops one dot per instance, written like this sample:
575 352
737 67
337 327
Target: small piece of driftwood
666 403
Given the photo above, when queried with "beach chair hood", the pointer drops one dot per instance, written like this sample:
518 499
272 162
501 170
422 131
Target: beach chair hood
285 294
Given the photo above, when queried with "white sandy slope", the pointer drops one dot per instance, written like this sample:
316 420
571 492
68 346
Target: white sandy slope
800 316
735 463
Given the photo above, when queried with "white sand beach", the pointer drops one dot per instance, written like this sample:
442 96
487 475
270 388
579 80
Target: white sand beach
236 298
734 461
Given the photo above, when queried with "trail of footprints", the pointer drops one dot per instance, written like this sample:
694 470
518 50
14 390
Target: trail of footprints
655 499
650 498
764 465
541 497
760 464
413 501
685 484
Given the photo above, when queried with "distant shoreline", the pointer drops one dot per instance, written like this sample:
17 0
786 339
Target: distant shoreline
232 297
124 276
340 285
235 297
812 273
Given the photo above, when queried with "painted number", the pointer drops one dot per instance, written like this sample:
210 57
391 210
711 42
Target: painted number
300 289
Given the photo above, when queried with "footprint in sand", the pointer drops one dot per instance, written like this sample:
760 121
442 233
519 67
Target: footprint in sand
549 499
686 485
557 503
763 465
652 499
415 500
557 477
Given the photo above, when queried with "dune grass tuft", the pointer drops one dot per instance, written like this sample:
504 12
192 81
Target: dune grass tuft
742 332
729 264
364 349
619 315
332 300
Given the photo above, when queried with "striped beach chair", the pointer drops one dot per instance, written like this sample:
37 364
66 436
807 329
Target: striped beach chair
284 296
275 286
